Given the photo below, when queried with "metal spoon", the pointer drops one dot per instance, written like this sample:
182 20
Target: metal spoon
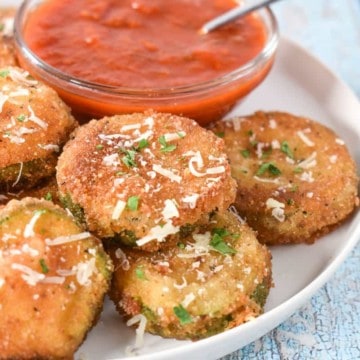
234 14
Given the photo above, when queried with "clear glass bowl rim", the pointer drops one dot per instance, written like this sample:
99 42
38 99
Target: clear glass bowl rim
242 72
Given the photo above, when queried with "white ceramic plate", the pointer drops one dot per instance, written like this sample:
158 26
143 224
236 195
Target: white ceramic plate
299 84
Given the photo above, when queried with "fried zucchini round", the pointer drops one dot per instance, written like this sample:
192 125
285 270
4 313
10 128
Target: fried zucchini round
296 178
47 189
207 282
34 124
53 278
140 177
7 48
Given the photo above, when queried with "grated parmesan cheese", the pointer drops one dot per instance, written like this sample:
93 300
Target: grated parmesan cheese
191 200
277 209
30 276
167 173
29 228
67 239
159 233
118 209
170 210
308 162
36 119
140 331
304 138
84 271
189 298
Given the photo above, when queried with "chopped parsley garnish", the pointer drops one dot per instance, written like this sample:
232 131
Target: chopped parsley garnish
99 147
218 243
21 118
181 135
129 158
290 201
133 203
143 143
268 167
284 147
250 133
139 272
2 26
180 245
4 73
48 196
220 134
43 266
266 153
120 173
245 153
182 314
298 170
165 147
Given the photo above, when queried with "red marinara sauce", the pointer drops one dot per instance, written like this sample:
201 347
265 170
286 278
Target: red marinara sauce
143 44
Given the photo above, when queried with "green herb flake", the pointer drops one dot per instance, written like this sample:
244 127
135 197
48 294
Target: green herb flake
181 135
43 266
140 274
298 170
2 27
48 196
4 73
133 203
250 133
268 167
220 134
285 148
182 314
99 147
129 158
165 147
21 118
143 143
290 201
220 245
266 153
245 153
180 245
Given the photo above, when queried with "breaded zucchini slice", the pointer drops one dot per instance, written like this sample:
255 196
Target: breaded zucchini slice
53 278
204 283
47 189
7 48
34 124
296 178
140 177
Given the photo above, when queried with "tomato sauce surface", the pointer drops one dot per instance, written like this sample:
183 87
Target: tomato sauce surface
141 43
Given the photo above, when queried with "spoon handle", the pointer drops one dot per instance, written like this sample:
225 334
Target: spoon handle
234 14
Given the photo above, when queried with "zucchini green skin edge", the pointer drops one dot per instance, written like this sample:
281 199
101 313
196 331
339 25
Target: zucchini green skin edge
31 173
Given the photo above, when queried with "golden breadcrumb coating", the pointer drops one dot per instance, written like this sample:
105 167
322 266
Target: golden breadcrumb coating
34 124
53 278
206 282
296 178
143 176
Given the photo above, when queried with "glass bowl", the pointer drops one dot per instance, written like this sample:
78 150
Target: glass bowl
204 101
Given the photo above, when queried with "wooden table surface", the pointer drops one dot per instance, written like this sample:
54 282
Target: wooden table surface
328 325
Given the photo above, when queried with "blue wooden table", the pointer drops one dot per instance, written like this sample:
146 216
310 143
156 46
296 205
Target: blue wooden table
328 325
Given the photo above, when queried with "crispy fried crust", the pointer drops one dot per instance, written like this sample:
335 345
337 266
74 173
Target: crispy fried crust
34 124
50 293
190 290
174 168
296 178
47 189
7 48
